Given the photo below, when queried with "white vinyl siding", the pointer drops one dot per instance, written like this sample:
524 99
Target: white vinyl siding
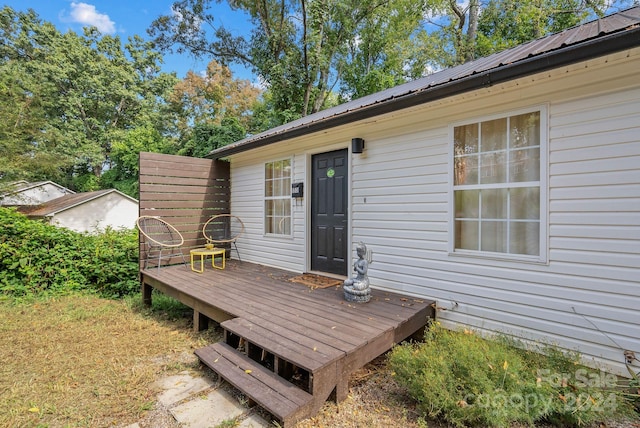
587 294
247 200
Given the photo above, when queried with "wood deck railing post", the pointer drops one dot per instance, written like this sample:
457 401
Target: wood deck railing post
146 293
200 321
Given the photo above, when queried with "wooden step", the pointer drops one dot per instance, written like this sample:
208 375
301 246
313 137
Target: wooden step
282 399
304 352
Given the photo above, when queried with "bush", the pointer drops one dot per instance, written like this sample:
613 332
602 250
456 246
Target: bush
467 381
38 258
113 265
580 395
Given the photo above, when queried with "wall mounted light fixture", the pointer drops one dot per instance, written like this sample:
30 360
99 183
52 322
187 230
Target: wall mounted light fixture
357 145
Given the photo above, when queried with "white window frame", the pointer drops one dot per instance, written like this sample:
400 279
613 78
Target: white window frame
285 196
542 257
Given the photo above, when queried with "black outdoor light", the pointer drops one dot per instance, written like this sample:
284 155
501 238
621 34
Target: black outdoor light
357 145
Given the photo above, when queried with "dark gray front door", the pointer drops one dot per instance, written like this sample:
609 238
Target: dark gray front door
329 212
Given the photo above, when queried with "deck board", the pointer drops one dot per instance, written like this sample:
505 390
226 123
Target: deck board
315 329
256 292
307 353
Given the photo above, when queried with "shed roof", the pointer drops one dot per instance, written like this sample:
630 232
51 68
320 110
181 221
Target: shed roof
596 38
66 202
22 185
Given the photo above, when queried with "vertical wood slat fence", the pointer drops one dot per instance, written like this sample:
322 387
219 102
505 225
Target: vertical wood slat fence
185 192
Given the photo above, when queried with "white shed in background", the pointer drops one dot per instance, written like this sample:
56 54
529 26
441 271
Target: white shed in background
24 193
89 211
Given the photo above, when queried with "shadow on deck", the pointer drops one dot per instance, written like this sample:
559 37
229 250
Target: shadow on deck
287 347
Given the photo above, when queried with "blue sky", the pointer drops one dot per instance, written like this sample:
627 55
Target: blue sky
126 18
129 17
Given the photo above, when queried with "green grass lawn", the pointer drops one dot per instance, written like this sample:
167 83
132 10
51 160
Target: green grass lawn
82 360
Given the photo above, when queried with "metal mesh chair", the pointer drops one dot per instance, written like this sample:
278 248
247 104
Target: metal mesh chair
160 238
222 229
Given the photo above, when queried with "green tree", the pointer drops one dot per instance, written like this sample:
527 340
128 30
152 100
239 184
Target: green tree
100 92
461 32
24 152
212 97
507 23
303 50
383 54
307 51
208 136
125 150
73 96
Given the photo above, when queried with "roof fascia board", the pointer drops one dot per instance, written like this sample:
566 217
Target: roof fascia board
30 186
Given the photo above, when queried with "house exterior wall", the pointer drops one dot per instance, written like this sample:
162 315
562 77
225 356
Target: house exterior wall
35 195
110 210
584 295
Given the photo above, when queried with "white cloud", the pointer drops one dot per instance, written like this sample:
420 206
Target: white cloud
87 15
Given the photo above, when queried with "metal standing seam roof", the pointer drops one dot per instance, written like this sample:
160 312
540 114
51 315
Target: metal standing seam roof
66 202
609 34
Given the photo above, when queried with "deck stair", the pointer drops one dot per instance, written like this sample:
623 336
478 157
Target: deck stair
271 392
288 375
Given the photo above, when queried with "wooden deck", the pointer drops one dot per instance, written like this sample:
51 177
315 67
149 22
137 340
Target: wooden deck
287 347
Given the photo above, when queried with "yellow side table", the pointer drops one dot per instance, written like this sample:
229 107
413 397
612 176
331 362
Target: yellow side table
203 253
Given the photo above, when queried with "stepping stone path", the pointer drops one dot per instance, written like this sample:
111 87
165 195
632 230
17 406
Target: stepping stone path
199 402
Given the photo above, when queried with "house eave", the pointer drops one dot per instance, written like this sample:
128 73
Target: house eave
54 210
30 186
567 55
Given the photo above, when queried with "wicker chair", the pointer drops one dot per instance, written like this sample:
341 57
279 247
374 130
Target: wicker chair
223 229
160 237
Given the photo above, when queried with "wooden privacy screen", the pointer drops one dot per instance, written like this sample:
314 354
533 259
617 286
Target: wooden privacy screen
185 192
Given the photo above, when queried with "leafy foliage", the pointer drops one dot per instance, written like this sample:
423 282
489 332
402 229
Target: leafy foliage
123 175
207 137
464 31
213 97
507 23
302 50
467 380
78 108
307 52
70 97
38 258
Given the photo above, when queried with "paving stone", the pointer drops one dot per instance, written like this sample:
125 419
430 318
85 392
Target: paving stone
181 386
254 421
211 410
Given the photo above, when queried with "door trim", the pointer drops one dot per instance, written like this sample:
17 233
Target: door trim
308 164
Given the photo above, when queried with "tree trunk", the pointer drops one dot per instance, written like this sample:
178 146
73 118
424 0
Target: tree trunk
472 31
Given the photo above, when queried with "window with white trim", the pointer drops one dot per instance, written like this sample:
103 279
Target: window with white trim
497 189
277 197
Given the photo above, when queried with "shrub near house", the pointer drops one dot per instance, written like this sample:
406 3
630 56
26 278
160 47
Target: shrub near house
37 258
467 380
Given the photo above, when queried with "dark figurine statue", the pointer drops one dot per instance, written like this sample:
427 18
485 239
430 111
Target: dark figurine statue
356 289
